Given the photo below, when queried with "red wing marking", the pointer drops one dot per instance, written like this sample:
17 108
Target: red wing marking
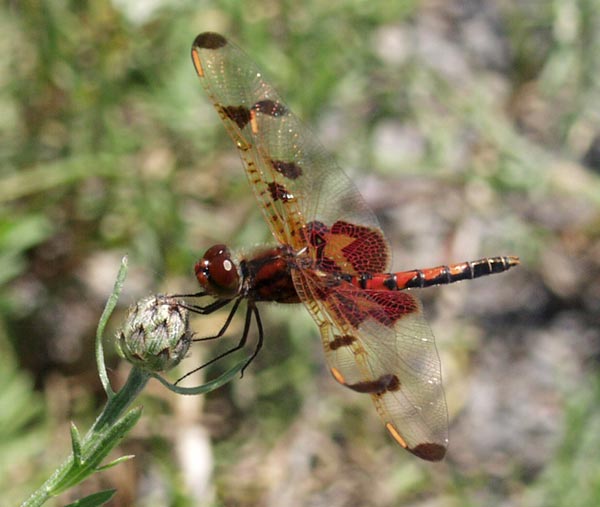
348 248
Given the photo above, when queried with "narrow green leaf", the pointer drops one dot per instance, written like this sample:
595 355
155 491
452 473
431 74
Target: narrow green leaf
76 444
115 462
108 309
95 499
121 427
98 447
204 388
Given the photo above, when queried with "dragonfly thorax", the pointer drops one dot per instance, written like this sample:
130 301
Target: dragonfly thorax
217 273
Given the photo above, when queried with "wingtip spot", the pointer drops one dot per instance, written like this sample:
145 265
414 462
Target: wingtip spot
429 451
210 40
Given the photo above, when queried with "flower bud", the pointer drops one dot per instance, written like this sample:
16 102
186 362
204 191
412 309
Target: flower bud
156 335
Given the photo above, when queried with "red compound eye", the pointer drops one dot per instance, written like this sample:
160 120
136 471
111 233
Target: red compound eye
217 272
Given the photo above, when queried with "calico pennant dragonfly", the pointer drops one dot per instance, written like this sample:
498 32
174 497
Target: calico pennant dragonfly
331 255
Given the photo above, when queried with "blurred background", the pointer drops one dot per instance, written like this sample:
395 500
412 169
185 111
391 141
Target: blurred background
472 129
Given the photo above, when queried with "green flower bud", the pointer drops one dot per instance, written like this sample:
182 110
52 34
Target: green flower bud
156 334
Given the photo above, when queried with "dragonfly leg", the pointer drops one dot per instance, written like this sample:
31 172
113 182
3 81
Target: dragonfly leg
194 295
205 310
251 310
225 326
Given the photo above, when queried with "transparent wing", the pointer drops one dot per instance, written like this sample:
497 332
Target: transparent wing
378 343
293 177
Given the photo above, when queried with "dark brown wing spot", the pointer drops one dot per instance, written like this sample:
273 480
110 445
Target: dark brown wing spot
290 170
384 383
341 341
429 452
210 40
239 114
269 107
279 192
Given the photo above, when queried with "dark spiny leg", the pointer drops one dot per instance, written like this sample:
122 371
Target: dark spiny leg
259 343
194 295
202 310
240 345
205 310
233 311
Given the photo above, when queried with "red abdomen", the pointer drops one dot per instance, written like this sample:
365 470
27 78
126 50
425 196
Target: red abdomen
440 275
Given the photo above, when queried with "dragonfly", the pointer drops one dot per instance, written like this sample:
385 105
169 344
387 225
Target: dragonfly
330 254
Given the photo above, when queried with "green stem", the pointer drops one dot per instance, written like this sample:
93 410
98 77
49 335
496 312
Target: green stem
115 406
94 446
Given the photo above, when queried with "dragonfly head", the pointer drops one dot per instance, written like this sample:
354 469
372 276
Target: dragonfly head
218 273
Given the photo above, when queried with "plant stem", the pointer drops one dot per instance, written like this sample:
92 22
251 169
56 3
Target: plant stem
115 406
94 445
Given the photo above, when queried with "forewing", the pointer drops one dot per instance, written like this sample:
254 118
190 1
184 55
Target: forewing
377 342
293 177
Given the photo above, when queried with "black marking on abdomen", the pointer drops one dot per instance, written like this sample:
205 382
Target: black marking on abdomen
418 281
364 279
485 268
391 283
443 278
